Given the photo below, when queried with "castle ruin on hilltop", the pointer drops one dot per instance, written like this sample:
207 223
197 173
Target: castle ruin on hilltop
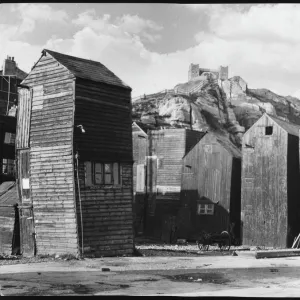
197 73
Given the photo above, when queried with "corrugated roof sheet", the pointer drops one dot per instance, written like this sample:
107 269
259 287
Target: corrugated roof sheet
289 127
88 69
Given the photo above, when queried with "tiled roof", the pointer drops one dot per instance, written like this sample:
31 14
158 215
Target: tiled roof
88 69
289 127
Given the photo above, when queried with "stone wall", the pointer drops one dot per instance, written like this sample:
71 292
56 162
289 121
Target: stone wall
195 72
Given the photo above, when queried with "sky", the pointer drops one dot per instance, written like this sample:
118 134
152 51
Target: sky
150 46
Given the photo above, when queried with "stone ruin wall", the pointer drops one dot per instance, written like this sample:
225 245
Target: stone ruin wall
195 72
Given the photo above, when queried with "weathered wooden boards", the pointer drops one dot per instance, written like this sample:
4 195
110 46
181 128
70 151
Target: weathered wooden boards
211 176
270 183
161 153
51 162
69 93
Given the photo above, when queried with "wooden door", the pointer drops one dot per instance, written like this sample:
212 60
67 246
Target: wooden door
27 236
27 231
23 175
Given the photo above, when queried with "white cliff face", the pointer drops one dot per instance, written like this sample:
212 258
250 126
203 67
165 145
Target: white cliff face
235 89
268 107
226 106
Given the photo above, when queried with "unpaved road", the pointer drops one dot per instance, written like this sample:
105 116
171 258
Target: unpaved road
241 275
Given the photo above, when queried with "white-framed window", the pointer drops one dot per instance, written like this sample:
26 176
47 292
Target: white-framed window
205 209
8 166
9 138
99 173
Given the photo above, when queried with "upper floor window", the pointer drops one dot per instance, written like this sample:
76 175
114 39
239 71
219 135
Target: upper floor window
8 167
98 173
268 130
9 138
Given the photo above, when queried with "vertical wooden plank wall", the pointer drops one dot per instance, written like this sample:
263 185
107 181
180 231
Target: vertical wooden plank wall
105 113
207 173
264 185
7 220
51 157
23 118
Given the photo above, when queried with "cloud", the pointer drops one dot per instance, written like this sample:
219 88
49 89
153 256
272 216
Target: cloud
32 13
127 25
260 43
265 23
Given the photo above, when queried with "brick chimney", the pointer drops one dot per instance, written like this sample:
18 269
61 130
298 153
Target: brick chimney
9 66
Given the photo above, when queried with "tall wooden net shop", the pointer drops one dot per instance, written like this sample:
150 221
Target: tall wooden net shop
74 159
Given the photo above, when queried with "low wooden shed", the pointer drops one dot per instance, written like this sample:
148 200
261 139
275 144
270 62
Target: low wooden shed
210 188
74 148
270 183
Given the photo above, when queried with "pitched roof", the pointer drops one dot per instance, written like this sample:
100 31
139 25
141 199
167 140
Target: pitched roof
289 127
228 145
87 69
138 127
224 141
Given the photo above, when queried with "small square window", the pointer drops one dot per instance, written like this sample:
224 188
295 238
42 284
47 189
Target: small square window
205 209
269 130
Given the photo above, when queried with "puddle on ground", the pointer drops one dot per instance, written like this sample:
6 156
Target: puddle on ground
215 278
116 286
147 279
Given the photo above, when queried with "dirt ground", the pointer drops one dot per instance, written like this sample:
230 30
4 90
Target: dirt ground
180 270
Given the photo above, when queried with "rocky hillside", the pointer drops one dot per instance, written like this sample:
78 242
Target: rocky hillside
227 107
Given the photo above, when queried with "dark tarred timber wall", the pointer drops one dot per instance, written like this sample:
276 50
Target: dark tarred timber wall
293 189
51 157
140 149
207 179
104 111
264 185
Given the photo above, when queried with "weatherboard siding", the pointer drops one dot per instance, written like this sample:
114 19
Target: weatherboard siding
207 171
104 111
51 157
107 215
